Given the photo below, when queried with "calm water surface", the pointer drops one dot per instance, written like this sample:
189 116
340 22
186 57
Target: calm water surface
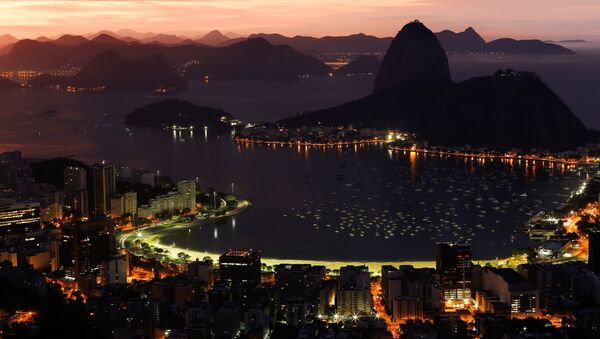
352 204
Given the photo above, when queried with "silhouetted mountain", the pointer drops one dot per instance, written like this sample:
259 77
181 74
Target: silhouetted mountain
68 40
164 39
134 34
7 39
213 38
8 84
257 59
360 43
505 110
414 54
110 70
468 41
171 112
508 109
530 47
253 59
43 39
364 64
107 39
463 42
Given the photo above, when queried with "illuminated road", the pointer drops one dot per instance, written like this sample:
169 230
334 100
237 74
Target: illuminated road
392 326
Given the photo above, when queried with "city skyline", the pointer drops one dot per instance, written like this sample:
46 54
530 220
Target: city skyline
534 19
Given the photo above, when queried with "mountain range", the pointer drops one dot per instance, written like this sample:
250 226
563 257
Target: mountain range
414 92
252 59
468 41
109 70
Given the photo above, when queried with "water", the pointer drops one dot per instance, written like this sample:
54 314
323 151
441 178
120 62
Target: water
351 204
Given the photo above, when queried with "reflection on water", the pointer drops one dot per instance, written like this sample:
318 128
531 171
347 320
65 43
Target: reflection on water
353 203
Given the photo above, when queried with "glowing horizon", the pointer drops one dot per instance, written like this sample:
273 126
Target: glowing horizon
541 19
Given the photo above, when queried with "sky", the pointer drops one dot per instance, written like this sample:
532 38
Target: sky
542 19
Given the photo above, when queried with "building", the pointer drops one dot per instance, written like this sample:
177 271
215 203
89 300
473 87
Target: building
183 198
51 211
197 321
354 292
87 244
187 189
144 177
240 266
594 250
105 186
228 320
116 269
201 271
391 283
407 308
130 203
454 267
511 289
18 218
117 205
298 279
76 193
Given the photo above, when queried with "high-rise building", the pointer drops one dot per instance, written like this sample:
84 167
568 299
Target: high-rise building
76 190
354 293
391 283
355 277
454 267
116 269
187 188
130 203
86 245
240 266
201 271
105 185
511 289
117 205
594 250
18 218
144 177
407 308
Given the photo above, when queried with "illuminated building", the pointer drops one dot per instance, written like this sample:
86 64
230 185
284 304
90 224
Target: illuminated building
185 197
117 206
594 250
104 177
511 289
86 245
240 266
76 194
51 211
18 218
454 266
116 269
407 308
130 203
187 189
354 293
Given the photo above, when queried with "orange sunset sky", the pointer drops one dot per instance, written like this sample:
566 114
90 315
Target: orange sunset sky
544 19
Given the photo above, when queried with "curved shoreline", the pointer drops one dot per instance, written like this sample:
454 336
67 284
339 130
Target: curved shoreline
152 237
